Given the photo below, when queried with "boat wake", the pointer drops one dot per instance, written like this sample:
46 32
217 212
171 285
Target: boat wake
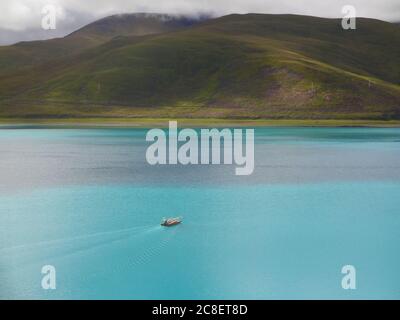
122 233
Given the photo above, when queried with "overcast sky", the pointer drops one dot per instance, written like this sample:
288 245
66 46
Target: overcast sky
21 19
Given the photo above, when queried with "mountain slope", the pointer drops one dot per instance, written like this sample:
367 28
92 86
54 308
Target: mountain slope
237 66
31 53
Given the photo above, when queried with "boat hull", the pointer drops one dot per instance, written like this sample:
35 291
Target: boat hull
170 223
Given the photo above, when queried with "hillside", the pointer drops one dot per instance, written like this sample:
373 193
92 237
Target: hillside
239 66
31 53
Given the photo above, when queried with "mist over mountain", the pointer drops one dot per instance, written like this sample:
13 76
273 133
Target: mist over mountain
20 19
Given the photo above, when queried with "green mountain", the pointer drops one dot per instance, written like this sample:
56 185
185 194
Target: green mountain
238 66
138 24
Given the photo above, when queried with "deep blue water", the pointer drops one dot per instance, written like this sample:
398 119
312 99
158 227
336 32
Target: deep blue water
87 202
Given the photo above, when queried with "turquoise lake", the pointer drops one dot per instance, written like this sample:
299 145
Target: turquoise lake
86 202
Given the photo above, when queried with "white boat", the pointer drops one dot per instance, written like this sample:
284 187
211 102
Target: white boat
169 222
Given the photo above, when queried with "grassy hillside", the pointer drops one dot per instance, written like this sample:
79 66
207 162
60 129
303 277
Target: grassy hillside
31 53
238 66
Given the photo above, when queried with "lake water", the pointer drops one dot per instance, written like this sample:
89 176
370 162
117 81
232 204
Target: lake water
87 202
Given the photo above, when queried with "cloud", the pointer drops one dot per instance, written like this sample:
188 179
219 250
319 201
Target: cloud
20 18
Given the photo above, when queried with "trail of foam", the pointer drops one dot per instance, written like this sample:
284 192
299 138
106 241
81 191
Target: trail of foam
79 249
148 252
133 260
82 237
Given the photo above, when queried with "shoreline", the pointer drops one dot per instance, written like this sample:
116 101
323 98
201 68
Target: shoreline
184 122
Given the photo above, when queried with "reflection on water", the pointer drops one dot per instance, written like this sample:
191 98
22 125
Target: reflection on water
32 159
86 202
